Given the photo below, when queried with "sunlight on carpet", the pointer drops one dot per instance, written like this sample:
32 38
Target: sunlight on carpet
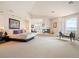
10 43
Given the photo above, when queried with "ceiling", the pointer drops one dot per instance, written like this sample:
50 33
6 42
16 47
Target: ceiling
60 8
18 8
48 9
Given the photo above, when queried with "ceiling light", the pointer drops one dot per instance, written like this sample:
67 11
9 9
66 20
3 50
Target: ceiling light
11 10
53 11
1 11
70 2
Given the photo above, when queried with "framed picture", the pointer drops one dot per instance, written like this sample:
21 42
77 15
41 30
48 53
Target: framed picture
14 24
55 25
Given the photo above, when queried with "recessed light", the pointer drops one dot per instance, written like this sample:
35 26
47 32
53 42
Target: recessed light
11 10
1 11
53 11
70 2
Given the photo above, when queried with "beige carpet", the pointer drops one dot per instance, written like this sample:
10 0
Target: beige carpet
41 47
10 43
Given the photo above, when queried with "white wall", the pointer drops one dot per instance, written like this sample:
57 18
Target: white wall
56 30
4 21
1 20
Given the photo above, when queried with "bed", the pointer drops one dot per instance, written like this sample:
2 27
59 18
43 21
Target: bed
22 36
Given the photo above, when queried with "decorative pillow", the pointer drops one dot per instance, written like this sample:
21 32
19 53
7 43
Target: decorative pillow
17 31
21 31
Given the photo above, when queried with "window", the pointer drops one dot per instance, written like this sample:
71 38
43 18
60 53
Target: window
71 25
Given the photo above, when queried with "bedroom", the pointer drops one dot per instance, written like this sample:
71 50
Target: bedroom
41 21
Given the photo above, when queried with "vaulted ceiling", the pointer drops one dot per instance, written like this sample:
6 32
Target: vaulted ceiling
48 9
